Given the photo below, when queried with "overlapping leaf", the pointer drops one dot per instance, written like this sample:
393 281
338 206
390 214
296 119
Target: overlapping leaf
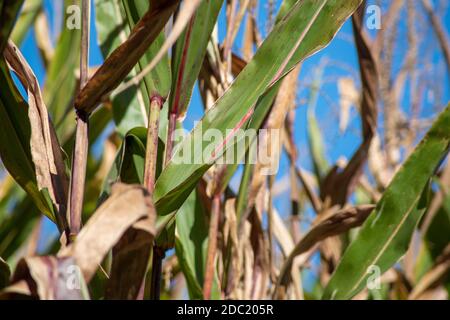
16 129
45 149
385 236
305 23
122 60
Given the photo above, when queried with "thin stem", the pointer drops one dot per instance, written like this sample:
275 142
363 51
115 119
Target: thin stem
155 284
152 143
78 177
80 150
149 175
212 247
158 253
151 158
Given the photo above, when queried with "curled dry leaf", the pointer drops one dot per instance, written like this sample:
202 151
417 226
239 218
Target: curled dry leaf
339 222
124 221
45 149
130 257
282 234
20 288
378 164
286 243
349 97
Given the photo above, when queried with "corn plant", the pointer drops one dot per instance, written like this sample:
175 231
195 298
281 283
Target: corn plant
105 194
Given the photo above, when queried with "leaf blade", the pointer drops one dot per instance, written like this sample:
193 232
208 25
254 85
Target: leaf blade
237 104
385 236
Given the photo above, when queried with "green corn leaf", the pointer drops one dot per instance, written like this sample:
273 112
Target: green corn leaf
157 82
315 140
113 21
285 7
129 107
263 106
438 233
314 23
9 10
27 17
16 228
385 236
189 52
124 58
61 79
435 238
128 166
191 245
5 273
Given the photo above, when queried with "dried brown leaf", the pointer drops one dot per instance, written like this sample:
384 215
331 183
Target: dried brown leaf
43 40
434 276
128 207
117 66
338 223
184 16
348 97
337 185
45 149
